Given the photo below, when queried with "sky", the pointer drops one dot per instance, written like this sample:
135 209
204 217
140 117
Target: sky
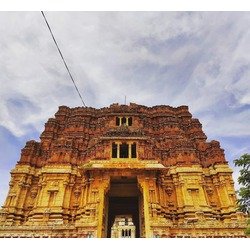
199 59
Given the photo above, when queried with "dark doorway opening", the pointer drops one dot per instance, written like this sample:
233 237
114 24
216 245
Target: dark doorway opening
123 205
123 198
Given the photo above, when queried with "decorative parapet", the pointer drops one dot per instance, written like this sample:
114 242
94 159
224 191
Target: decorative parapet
23 169
222 168
57 169
122 163
186 169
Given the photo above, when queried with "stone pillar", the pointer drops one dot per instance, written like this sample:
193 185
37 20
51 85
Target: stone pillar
86 191
103 187
120 233
17 190
221 185
145 191
203 198
118 149
81 200
126 121
59 197
129 150
67 194
133 232
178 191
41 195
23 196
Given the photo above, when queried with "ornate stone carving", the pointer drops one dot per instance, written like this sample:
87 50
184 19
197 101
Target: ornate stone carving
209 190
124 131
63 186
77 192
33 192
169 190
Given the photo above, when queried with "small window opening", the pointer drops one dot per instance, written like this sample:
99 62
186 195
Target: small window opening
117 121
114 150
124 120
124 150
130 121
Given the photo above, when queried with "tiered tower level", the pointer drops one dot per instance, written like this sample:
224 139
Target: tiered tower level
92 165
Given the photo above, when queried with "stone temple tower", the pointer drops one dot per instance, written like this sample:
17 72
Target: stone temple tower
93 167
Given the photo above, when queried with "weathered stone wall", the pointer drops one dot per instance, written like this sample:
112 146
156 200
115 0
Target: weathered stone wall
59 185
169 135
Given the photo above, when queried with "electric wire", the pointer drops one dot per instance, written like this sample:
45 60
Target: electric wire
67 68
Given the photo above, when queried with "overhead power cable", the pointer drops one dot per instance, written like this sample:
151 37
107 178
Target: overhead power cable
67 68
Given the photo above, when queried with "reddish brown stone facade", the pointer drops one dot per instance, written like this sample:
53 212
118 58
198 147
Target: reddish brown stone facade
167 134
92 166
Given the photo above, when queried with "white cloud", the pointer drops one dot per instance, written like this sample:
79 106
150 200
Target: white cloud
199 59
168 57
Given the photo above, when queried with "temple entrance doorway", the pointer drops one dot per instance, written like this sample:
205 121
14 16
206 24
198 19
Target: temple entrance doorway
124 208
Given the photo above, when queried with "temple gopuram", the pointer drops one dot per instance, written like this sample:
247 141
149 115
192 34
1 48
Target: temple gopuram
124 170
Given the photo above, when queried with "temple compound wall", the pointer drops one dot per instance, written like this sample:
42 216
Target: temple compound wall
91 167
